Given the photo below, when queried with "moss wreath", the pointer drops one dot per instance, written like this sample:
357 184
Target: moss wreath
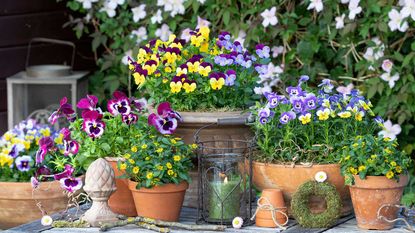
301 210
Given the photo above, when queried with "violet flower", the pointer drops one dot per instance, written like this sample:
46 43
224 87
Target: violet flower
166 120
45 144
326 85
265 114
93 125
23 163
119 105
379 120
42 171
310 101
65 110
297 103
130 118
90 102
230 78
262 51
69 170
261 69
14 152
294 91
71 184
71 147
303 79
287 117
272 98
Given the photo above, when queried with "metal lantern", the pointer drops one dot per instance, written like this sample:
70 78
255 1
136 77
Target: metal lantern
225 181
42 86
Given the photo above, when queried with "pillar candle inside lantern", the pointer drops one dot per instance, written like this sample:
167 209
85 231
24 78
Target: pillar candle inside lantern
224 199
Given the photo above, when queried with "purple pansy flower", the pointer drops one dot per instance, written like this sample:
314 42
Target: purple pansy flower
326 85
166 120
237 46
230 78
261 69
272 98
71 184
66 173
42 171
223 60
90 102
45 144
379 120
23 163
294 91
139 104
287 117
130 118
14 152
65 110
265 114
303 79
119 105
93 125
71 147
297 103
310 101
262 51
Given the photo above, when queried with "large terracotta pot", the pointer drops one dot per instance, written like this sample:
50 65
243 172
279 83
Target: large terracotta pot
161 202
370 194
18 206
121 201
192 121
289 178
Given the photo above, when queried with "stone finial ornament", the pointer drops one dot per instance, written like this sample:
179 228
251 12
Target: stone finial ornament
99 184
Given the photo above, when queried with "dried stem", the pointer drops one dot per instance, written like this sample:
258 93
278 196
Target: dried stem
153 227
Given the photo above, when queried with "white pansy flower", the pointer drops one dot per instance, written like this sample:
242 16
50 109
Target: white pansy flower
139 12
202 22
86 4
164 32
390 79
340 21
46 220
237 222
262 90
390 130
127 54
354 9
401 2
157 18
387 65
114 3
320 176
396 21
277 50
186 34
173 6
269 17
408 9
315 4
108 9
140 33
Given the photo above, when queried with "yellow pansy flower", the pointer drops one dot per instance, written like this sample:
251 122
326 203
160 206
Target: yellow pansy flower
204 47
217 84
345 114
26 145
139 79
204 31
193 67
134 149
177 158
189 87
323 114
8 136
136 170
45 132
196 40
204 71
175 87
180 71
359 116
59 139
305 119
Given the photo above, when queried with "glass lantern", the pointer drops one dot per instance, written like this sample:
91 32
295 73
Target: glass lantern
225 183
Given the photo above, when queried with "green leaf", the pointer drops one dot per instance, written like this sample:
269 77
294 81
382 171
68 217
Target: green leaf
106 147
226 16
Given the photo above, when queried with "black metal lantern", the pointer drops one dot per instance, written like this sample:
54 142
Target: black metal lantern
225 181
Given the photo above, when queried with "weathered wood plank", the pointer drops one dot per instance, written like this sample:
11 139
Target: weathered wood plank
19 29
9 7
351 226
298 229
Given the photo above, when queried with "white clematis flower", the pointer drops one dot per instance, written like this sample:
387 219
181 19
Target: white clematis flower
127 54
340 21
140 33
354 9
344 1
157 18
186 34
173 6
139 12
320 176
390 130
315 4
269 17
387 65
397 21
277 50
390 79
202 22
408 9
86 4
114 3
164 32
108 9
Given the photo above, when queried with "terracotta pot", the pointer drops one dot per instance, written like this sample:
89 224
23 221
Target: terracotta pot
160 202
18 206
288 179
370 194
192 121
276 199
121 201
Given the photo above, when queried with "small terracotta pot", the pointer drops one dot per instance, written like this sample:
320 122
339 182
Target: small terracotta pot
370 194
161 202
18 205
276 199
121 201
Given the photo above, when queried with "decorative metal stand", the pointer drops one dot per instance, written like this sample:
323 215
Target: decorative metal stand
225 181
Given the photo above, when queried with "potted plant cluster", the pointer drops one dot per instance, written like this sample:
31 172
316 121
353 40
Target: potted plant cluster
158 165
377 173
107 135
37 165
206 79
298 132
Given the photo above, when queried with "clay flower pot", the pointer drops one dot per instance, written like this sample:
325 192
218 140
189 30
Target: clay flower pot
18 206
275 198
192 121
161 202
370 194
288 179
121 201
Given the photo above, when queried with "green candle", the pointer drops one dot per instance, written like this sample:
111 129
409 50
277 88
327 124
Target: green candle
219 190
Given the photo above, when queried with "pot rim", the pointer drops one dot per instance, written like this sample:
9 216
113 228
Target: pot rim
282 165
210 117
165 188
114 159
380 182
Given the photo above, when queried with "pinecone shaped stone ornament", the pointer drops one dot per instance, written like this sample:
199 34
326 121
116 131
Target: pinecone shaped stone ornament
99 184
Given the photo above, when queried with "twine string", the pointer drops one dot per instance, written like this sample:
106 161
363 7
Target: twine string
379 216
267 206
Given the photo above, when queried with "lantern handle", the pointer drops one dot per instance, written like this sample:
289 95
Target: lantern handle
51 41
